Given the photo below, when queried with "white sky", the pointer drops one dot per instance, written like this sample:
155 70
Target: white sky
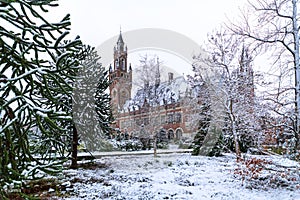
98 20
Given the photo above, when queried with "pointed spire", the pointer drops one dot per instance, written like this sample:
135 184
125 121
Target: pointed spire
120 42
245 60
157 74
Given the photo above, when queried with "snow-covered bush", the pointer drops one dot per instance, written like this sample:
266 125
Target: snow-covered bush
260 173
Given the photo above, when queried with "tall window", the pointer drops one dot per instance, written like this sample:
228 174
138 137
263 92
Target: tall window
178 133
117 63
178 118
170 118
163 119
123 63
114 94
146 121
124 97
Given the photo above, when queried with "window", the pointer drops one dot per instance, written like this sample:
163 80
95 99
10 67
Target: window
170 134
178 134
124 97
138 122
170 118
177 118
146 121
123 64
156 120
163 119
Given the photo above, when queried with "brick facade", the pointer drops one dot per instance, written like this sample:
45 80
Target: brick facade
165 105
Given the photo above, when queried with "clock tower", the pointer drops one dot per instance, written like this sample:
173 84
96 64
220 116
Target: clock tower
120 76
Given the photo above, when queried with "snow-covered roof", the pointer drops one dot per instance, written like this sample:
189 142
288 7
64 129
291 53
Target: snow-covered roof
165 93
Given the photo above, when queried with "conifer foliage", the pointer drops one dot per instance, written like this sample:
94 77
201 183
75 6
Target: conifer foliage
36 75
204 123
91 101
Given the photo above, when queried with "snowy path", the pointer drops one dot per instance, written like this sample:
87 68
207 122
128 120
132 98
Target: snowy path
169 176
99 155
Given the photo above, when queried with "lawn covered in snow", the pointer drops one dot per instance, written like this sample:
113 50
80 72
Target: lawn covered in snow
182 176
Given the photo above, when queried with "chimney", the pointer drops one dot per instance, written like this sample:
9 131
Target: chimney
170 74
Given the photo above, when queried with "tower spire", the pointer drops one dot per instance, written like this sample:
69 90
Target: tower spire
157 73
120 42
120 89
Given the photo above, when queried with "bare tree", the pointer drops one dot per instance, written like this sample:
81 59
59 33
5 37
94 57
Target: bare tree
148 80
273 26
148 71
229 77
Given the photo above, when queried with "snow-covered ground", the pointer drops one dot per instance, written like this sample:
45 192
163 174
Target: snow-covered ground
182 176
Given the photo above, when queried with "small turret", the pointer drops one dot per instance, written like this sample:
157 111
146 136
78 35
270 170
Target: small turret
130 69
110 68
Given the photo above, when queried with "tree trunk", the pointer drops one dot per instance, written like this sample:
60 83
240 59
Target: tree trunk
297 68
236 142
154 145
74 148
234 132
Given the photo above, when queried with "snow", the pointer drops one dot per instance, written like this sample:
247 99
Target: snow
167 92
41 109
41 114
285 162
169 176
9 123
32 71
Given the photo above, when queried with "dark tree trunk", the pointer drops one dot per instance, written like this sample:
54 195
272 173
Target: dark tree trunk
74 148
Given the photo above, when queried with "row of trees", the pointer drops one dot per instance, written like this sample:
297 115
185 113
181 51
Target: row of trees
269 28
44 95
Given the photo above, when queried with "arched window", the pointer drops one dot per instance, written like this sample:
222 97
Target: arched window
178 134
123 63
117 63
170 134
114 94
123 97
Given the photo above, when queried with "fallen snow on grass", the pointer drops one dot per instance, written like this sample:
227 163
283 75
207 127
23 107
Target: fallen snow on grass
172 176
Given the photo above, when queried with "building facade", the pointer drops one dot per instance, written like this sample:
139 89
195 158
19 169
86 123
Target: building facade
165 105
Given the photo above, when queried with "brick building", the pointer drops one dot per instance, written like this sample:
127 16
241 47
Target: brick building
167 105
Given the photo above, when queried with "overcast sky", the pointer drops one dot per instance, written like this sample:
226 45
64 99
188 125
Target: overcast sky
96 21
